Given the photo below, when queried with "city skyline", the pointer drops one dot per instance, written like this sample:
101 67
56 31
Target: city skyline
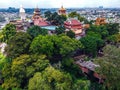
58 3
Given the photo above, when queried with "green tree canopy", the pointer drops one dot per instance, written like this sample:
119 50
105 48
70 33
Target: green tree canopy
34 31
114 38
113 28
50 79
53 79
92 43
77 15
71 34
54 18
110 67
55 46
18 44
102 30
22 68
8 31
2 61
47 14
60 30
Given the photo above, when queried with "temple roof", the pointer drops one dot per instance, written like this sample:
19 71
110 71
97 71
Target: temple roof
40 23
72 22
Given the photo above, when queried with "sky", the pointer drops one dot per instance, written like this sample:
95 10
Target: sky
58 3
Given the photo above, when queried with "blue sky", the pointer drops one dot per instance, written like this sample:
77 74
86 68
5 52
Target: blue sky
58 3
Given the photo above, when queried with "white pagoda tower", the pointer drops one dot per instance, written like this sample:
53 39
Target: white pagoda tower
22 13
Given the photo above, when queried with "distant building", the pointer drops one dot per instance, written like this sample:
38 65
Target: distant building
62 11
37 19
22 13
76 26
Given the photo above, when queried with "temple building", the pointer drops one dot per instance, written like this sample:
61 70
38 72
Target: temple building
22 13
62 11
100 21
75 26
37 19
21 24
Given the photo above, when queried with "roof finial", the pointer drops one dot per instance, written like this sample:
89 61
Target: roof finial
61 5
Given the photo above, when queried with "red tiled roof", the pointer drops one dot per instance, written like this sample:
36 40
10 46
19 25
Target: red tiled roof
40 23
72 22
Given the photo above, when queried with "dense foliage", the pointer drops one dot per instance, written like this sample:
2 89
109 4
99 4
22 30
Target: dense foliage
92 43
54 18
34 60
8 31
55 46
34 31
18 44
110 67
21 69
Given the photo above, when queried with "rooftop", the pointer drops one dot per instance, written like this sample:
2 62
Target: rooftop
88 64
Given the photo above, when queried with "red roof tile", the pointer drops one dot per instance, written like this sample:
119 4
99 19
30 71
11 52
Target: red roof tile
40 23
73 24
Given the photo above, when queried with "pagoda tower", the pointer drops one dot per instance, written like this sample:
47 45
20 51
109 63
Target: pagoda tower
22 13
62 11
36 15
37 19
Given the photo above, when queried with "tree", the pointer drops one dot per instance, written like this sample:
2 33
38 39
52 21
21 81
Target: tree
8 31
17 73
60 30
71 34
55 47
113 28
18 44
53 79
114 40
2 60
47 14
34 31
73 14
50 79
81 85
76 15
110 67
54 18
101 30
2 63
69 66
92 43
